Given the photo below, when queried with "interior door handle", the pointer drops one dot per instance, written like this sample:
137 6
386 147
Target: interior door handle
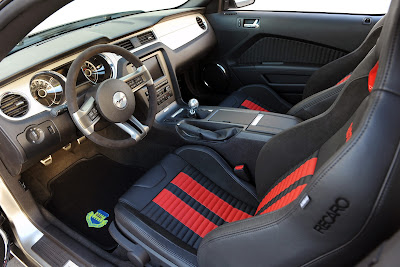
251 23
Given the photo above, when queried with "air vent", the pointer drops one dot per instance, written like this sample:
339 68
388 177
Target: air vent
201 23
146 37
127 44
14 105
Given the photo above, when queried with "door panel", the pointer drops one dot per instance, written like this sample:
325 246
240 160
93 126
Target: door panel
288 80
283 49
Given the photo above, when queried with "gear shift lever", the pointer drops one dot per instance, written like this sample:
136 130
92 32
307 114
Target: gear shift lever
193 105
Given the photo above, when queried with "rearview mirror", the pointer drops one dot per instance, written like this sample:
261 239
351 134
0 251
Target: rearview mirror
241 3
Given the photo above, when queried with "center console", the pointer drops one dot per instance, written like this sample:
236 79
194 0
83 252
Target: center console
158 69
236 134
216 118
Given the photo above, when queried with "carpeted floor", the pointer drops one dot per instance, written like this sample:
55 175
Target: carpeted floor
89 186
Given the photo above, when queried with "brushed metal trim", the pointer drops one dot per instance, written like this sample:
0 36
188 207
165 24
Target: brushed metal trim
173 33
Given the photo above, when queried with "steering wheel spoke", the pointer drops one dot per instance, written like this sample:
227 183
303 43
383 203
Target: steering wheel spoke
134 128
138 78
113 98
87 116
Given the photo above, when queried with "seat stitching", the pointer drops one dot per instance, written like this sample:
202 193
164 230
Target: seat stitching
317 100
294 207
227 171
236 233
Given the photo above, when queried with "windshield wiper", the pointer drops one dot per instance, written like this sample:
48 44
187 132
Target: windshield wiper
62 29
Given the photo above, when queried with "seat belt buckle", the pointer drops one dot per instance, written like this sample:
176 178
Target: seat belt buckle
242 172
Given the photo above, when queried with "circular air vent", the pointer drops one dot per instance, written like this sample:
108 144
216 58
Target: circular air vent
14 105
201 23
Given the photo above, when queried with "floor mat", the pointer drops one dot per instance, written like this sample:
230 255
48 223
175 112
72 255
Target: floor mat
84 196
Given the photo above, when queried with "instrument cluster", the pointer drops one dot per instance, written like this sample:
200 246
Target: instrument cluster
48 87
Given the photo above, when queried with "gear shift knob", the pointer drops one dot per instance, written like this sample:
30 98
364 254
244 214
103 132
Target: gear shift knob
193 105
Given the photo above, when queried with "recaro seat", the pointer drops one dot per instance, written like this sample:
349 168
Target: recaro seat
320 91
326 190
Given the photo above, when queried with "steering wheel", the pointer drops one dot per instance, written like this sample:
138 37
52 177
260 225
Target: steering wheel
114 100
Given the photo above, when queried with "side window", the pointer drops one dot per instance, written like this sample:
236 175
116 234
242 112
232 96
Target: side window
367 7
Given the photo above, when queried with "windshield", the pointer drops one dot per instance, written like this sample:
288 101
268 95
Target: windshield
83 9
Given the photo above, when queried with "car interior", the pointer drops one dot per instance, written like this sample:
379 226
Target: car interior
202 135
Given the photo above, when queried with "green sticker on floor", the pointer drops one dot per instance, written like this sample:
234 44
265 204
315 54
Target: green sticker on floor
98 219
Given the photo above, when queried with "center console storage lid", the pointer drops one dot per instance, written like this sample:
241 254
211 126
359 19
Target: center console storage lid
272 123
259 122
233 116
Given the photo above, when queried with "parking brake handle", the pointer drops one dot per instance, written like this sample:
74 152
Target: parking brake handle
217 135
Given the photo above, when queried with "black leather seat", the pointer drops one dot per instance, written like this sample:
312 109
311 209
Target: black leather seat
326 190
321 89
169 203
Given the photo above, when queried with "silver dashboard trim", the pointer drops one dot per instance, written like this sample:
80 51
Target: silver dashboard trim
178 32
173 33
28 98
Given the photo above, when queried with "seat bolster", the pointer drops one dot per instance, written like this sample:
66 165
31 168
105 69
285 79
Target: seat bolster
151 184
328 75
316 104
217 169
234 100
153 242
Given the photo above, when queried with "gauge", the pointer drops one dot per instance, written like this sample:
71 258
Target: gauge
91 72
97 69
47 88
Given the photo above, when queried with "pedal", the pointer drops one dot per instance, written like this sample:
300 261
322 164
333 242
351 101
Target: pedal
47 161
67 147
81 140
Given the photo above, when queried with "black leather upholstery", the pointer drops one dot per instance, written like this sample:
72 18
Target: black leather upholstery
363 171
321 89
316 104
349 204
271 234
330 74
133 219
257 93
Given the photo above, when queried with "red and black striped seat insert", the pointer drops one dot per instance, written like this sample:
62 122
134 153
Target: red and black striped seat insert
254 104
288 187
192 205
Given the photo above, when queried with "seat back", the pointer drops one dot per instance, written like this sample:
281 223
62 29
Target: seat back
346 203
339 69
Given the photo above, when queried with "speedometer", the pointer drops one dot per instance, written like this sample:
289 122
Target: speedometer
97 69
91 72
47 88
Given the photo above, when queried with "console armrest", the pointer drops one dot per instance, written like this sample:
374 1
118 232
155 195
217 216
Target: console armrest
272 123
260 122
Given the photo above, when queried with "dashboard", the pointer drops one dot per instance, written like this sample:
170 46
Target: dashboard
33 121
